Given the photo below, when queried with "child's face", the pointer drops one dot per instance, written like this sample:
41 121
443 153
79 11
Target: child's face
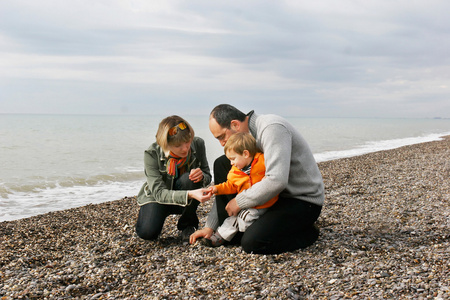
238 160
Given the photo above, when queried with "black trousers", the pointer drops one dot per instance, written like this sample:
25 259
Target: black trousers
286 226
152 215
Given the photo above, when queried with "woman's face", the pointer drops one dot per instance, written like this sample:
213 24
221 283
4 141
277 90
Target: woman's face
181 150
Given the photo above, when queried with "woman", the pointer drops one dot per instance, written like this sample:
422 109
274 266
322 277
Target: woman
176 170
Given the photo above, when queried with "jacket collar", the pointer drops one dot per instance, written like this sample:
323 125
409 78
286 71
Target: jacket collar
252 123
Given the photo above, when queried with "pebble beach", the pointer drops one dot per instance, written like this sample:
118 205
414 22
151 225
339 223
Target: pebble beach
384 234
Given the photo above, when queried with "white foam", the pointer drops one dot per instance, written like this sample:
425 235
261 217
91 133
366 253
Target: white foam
22 205
374 146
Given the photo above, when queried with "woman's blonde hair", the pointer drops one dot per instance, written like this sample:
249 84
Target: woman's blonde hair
241 141
174 125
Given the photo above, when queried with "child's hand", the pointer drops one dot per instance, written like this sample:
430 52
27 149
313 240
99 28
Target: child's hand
212 189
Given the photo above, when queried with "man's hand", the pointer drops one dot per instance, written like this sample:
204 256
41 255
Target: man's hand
232 208
202 233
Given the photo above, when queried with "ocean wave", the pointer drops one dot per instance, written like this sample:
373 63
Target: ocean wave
39 184
373 146
21 204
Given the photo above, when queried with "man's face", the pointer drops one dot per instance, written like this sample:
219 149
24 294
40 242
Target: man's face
220 133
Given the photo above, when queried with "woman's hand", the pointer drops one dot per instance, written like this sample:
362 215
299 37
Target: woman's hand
196 175
202 233
202 195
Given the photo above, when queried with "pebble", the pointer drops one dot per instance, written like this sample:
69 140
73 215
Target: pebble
384 235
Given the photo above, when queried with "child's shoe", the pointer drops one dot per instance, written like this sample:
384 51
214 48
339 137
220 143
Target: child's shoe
214 241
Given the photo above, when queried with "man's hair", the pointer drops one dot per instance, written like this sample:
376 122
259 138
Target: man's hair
225 113
241 141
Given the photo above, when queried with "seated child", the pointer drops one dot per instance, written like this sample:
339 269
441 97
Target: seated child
247 169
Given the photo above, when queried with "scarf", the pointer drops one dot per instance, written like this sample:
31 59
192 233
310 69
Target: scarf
175 163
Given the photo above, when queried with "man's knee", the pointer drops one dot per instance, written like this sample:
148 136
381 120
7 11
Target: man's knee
250 244
247 244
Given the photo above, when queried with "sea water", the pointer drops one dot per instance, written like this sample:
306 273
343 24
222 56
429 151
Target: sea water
56 162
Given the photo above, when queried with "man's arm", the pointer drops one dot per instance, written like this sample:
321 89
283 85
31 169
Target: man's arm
212 221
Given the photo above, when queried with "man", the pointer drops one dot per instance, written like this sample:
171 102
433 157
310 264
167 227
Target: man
291 172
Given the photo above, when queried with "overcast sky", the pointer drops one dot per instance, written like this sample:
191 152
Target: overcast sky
367 58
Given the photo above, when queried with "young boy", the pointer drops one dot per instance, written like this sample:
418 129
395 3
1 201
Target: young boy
247 169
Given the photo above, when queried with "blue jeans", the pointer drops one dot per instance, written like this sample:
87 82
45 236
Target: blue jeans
152 215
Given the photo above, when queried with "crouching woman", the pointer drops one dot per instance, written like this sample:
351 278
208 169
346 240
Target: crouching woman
177 172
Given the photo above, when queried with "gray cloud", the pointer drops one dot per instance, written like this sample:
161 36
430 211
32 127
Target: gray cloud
314 59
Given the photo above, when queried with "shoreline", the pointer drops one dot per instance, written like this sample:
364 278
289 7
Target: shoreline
63 195
384 234
25 195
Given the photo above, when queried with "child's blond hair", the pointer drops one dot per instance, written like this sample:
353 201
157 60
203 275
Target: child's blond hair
241 141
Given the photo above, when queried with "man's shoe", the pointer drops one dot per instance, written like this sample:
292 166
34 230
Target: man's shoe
186 234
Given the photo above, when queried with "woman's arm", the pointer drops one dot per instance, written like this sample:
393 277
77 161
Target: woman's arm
156 186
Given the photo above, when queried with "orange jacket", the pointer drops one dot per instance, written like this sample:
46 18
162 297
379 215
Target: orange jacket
237 181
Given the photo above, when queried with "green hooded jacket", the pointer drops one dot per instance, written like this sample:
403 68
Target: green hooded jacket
159 185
